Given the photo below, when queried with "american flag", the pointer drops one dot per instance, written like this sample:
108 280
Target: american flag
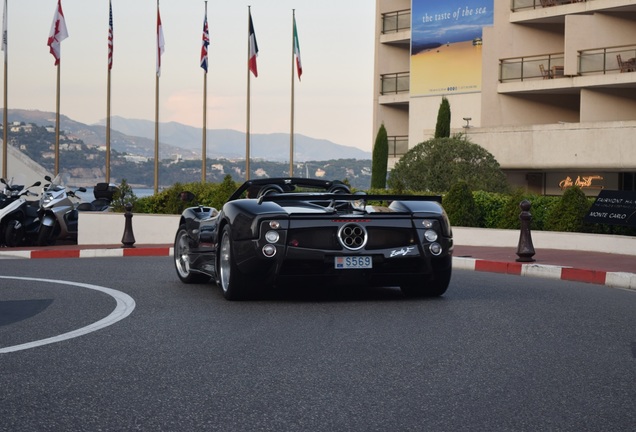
205 41
110 35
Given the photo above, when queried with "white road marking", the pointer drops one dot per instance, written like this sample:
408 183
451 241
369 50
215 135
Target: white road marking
124 307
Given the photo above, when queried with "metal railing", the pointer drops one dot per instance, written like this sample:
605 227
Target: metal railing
517 5
394 22
545 66
395 83
603 60
398 145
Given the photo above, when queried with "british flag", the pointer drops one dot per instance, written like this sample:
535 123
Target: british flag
205 41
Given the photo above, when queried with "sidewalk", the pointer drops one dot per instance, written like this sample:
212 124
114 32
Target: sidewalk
612 270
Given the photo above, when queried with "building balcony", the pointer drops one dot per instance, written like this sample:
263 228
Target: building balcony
603 67
396 28
398 145
394 88
554 11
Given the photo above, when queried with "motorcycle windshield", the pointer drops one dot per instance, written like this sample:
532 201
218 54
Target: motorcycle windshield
56 183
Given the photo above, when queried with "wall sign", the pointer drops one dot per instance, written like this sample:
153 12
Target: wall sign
614 207
584 182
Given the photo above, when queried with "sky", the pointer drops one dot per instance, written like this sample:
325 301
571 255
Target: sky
333 100
450 20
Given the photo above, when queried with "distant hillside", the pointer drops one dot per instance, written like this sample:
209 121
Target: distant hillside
137 137
231 144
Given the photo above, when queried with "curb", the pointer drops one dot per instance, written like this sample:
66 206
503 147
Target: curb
88 253
611 279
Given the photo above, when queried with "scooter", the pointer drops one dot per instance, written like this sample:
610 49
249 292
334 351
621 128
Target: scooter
17 215
59 214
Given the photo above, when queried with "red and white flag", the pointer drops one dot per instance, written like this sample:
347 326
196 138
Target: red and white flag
299 65
160 42
110 35
253 49
58 33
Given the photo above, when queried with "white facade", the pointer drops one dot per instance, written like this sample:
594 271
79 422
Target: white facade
576 119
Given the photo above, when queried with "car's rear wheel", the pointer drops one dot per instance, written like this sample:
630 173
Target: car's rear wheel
235 285
431 288
182 259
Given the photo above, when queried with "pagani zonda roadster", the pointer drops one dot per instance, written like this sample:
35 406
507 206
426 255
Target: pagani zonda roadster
306 231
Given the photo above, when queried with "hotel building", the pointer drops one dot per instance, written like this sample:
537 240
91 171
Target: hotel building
547 86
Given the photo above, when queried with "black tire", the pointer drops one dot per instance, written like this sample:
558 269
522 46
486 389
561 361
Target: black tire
431 288
182 259
45 236
13 233
235 285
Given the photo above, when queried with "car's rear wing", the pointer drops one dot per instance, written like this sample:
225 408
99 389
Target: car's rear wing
345 197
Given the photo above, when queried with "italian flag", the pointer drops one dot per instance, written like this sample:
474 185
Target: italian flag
299 65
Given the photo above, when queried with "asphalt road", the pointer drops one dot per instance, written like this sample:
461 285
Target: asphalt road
495 353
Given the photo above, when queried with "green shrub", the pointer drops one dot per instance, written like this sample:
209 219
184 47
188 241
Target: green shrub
460 206
124 195
168 201
490 206
567 215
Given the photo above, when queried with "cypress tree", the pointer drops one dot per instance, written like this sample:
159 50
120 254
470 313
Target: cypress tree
442 128
380 159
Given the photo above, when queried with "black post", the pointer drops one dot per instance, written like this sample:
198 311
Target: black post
128 240
525 249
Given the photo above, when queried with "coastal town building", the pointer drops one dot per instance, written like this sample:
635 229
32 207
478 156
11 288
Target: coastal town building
547 86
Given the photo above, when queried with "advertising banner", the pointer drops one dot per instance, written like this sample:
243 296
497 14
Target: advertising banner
446 42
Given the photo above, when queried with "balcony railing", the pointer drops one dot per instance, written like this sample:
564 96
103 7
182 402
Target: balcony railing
544 66
394 22
398 145
610 59
517 5
395 83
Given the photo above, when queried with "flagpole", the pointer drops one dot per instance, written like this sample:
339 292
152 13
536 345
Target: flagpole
156 179
110 59
291 132
5 122
203 144
107 177
205 103
247 129
57 121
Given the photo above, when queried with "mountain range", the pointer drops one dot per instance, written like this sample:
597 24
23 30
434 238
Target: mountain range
137 137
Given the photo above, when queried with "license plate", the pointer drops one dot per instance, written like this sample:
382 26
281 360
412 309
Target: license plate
353 262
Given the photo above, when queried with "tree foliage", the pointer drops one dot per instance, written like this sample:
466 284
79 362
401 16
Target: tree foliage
460 206
569 213
380 159
442 128
437 164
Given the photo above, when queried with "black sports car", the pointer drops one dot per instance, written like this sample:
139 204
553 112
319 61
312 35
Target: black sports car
306 231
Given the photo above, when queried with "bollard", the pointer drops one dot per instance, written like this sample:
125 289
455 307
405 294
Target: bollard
128 240
525 249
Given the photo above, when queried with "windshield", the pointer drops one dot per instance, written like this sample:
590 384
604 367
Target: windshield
57 183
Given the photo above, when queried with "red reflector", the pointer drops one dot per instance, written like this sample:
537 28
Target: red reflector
350 220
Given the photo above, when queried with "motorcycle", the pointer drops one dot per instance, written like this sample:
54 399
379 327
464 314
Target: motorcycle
18 216
59 213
